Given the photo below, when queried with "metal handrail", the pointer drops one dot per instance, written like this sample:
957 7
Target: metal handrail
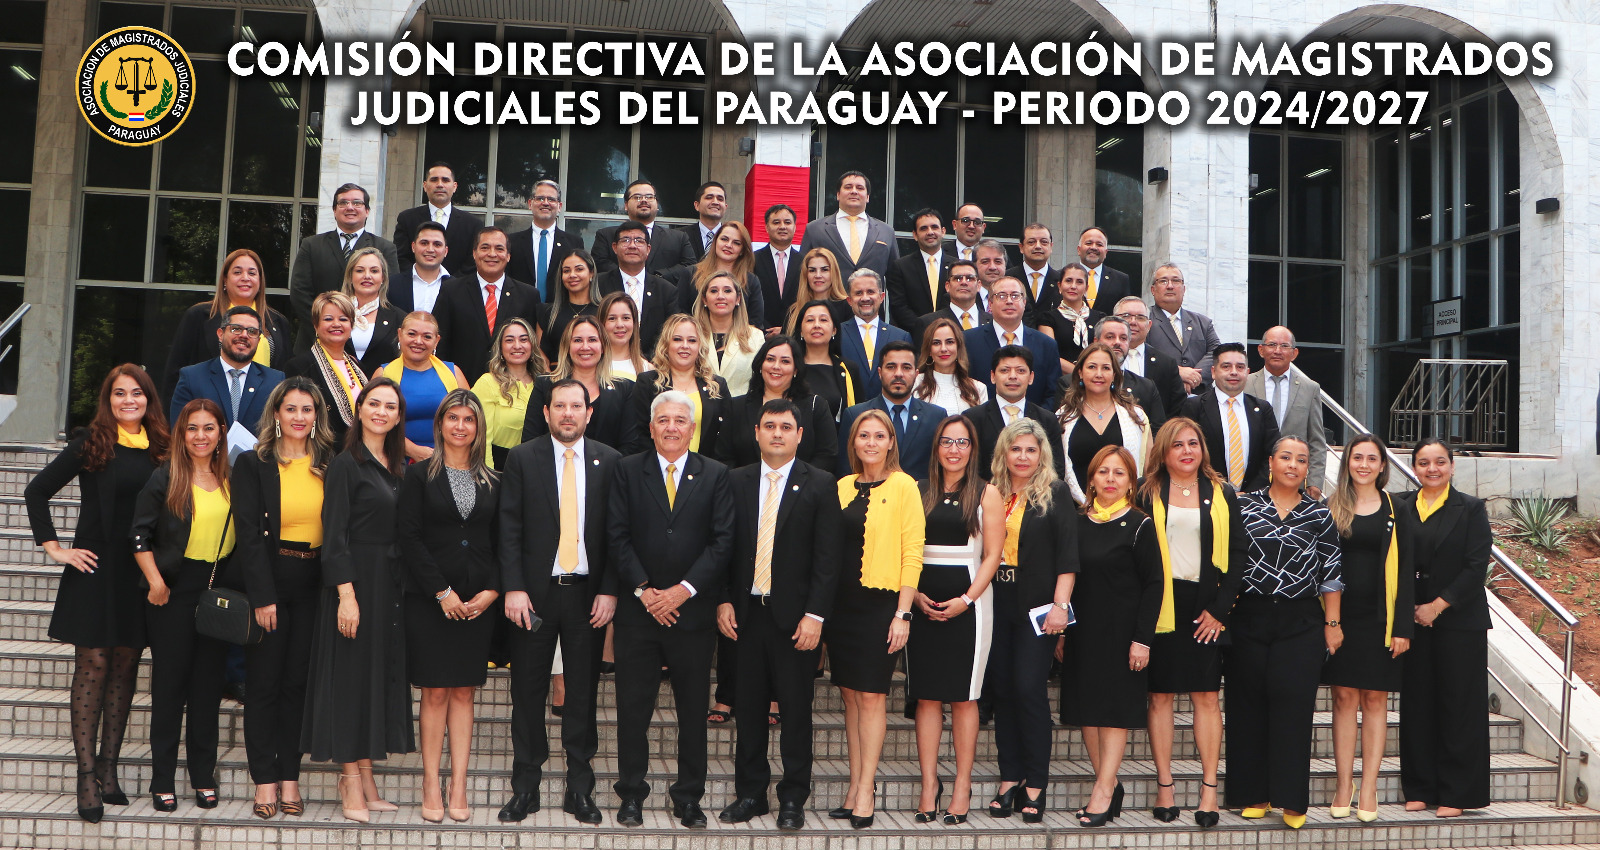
10 323
1568 621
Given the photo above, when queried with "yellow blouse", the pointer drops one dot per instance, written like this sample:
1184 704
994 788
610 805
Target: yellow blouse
206 529
504 421
300 508
891 554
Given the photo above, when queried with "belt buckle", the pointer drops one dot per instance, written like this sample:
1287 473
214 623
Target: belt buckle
765 598
568 579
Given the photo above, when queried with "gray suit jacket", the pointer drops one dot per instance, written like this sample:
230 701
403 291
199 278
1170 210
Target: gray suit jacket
878 249
1199 340
319 267
1302 417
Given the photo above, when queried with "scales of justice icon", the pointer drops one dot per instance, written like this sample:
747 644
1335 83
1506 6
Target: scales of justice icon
135 88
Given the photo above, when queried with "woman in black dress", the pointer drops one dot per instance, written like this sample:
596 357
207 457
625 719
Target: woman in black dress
1071 322
1195 515
1038 567
835 380
578 295
358 705
1098 411
446 515
182 535
1444 705
240 283
99 607
581 357
277 508
777 375
1103 683
1285 623
948 651
1375 541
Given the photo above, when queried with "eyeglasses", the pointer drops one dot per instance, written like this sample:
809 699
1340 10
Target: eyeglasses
1168 281
965 277
348 203
242 329
1006 296
1278 346
640 196
971 222
954 442
633 240
543 199
1132 317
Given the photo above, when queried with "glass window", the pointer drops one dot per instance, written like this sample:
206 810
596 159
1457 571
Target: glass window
1510 174
527 154
311 166
1385 195
924 172
24 21
602 164
13 232
203 30
1420 284
266 229
1386 305
113 166
1444 180
186 241
1002 199
664 153
1264 302
191 161
114 325
1510 279
1119 184
113 237
1315 303
465 147
1264 195
266 134
1419 151
118 15
1315 199
262 26
1476 298
1475 137
19 90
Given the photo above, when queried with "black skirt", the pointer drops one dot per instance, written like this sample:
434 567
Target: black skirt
446 653
1179 664
1363 661
858 637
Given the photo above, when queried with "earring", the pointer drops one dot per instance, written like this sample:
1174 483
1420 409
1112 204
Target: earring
277 428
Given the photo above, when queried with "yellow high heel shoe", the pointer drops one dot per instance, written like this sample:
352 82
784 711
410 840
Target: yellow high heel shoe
1362 814
1254 812
1344 810
1293 821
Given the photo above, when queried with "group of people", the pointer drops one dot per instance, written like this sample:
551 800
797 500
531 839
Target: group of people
995 471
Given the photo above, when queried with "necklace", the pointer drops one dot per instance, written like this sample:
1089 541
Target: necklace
1185 486
1099 414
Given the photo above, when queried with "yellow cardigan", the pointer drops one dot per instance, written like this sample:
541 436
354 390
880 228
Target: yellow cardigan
891 556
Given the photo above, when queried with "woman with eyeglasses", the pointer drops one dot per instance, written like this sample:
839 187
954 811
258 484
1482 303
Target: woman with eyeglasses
240 283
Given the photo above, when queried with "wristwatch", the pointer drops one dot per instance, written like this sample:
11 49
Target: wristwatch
638 592
1332 623
1065 606
903 615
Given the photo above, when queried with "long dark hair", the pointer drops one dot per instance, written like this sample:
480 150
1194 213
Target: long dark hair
180 468
1072 399
101 443
964 383
797 391
394 443
969 489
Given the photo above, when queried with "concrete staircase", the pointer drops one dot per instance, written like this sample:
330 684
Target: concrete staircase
37 806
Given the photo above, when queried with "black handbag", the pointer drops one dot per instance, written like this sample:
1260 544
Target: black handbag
226 614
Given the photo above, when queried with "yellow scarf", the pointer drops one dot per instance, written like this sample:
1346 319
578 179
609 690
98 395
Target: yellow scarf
447 376
1391 569
1220 527
140 440
1425 510
1014 506
1099 514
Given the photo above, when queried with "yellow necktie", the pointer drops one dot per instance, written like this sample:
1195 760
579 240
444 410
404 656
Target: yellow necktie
1011 339
1177 327
769 528
1011 413
672 485
855 239
966 321
567 551
1088 296
1035 284
866 341
933 278
1235 447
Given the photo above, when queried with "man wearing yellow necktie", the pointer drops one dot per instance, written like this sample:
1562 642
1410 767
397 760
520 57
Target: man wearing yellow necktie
914 280
855 239
1237 435
786 565
1034 271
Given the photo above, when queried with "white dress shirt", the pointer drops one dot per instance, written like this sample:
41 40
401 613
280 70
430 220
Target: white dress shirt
483 288
677 486
1020 404
1027 279
549 243
1000 334
583 490
634 286
972 313
1134 362
965 252
705 235
424 294
440 214
1244 425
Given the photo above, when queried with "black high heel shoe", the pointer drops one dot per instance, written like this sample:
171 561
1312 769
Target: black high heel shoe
932 814
1002 804
90 789
1165 814
115 797
1116 803
1203 819
844 813
1024 802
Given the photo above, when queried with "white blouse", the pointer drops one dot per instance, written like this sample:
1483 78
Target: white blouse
1183 542
948 396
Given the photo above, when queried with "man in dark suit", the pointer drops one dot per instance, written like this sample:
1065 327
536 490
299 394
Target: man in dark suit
1188 337
671 522
1226 410
1011 377
991 258
536 253
780 249
420 291
1106 284
460 227
960 301
861 340
1038 279
319 263
915 280
915 420
968 228
650 292
670 249
237 383
1146 361
1007 304
1114 333
780 590
561 483
873 246
465 332
710 203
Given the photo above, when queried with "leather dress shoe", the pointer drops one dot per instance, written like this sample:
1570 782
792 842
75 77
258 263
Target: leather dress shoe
582 807
690 815
630 813
791 817
743 809
518 807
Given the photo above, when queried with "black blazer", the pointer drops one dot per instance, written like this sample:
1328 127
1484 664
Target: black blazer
613 421
755 303
440 549
1112 287
305 366
657 546
163 533
524 250
767 270
385 344
1403 521
461 234
1263 433
711 413
736 439
1047 548
530 517
1451 555
319 267
944 312
464 335
691 233
257 523
195 341
1162 369
1049 293
660 301
848 384
669 249
991 421
1144 392
1218 589
805 545
907 286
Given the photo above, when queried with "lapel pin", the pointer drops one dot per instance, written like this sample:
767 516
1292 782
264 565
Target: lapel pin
597 461
795 488
690 477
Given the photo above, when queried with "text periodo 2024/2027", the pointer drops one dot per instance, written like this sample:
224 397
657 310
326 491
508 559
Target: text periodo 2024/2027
1328 109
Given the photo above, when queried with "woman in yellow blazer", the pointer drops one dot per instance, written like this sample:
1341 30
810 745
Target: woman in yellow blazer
883 523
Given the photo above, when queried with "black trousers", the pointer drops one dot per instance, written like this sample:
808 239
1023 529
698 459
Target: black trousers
565 613
1017 679
1273 672
727 672
641 651
770 667
1444 719
275 675
185 673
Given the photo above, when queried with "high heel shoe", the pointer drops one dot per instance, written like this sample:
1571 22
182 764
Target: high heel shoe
94 813
461 815
1205 819
1254 812
433 815
350 788
1116 802
1344 810
1293 821
205 798
292 808
1362 814
843 812
1002 804
164 802
377 804
1165 814
860 822
107 774
1036 803
1094 818
932 814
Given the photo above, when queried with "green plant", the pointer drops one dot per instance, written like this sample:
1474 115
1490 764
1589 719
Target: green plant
1536 519
1538 622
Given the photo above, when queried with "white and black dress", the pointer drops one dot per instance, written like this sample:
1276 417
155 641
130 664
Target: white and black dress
946 661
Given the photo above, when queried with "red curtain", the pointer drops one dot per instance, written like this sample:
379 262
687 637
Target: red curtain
766 185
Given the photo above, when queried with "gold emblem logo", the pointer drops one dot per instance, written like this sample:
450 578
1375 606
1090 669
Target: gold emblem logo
135 86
